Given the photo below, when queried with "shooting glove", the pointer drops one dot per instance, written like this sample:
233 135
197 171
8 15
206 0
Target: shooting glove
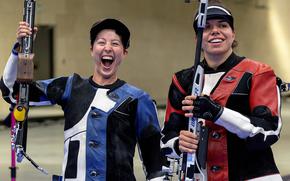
206 108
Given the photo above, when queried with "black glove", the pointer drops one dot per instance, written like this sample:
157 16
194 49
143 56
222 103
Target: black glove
206 108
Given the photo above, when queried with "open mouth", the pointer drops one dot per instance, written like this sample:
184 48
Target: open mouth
107 60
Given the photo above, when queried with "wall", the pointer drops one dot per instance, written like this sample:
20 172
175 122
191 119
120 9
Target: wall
162 37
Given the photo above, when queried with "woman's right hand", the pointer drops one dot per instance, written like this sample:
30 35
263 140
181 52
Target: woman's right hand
187 141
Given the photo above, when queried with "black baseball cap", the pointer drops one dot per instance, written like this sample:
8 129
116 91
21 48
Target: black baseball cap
120 28
216 12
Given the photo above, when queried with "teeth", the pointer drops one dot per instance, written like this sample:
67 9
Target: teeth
107 57
216 40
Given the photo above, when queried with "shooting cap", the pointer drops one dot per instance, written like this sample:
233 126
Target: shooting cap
216 12
120 28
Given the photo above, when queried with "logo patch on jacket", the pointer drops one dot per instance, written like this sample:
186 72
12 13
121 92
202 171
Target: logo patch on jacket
230 78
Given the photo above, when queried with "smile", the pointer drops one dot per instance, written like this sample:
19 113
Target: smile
216 40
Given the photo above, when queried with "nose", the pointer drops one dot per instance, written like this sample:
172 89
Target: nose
215 30
107 47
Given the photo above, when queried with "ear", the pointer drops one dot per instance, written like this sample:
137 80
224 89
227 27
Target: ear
234 34
125 52
195 38
91 50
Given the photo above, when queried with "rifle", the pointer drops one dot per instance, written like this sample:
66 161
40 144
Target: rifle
24 78
285 87
189 161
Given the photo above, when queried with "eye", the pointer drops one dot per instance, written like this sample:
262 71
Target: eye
207 27
116 43
100 42
224 25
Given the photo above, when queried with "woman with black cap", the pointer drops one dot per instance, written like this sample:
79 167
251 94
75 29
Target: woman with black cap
240 107
105 117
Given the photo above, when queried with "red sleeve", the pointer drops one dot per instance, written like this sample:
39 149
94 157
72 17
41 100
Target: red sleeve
175 93
264 90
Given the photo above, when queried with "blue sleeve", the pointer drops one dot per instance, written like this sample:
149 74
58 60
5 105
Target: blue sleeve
146 117
42 92
56 91
148 135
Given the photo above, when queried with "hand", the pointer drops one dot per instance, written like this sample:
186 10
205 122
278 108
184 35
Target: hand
24 30
202 107
187 141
